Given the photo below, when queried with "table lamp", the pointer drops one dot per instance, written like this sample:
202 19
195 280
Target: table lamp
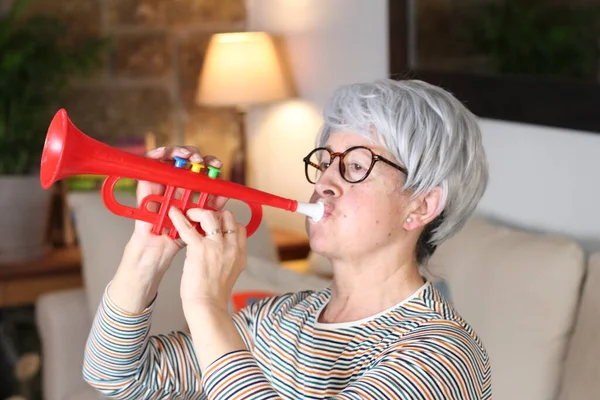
241 69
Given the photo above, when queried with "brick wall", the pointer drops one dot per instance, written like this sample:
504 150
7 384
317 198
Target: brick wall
148 81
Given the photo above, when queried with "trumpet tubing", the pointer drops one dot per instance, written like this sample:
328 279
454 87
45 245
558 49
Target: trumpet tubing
68 151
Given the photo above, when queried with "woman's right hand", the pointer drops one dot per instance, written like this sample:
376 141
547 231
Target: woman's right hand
163 245
148 256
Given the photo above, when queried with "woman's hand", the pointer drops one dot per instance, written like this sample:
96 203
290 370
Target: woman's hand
213 262
163 248
147 256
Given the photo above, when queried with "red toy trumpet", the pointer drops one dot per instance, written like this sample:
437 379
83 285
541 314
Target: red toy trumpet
68 151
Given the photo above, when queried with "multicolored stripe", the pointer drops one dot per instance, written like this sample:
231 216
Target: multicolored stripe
419 349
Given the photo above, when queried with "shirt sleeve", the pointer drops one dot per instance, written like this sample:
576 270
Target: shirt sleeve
122 361
429 365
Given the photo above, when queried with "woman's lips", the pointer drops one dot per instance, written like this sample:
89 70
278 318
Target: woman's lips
328 209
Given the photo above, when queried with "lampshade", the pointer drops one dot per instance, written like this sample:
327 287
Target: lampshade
241 68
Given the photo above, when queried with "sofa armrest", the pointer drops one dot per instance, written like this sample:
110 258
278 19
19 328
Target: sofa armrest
63 324
581 380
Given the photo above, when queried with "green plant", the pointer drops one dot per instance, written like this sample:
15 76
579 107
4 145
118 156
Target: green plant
531 37
37 63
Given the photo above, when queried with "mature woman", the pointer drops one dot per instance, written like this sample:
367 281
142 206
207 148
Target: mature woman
399 166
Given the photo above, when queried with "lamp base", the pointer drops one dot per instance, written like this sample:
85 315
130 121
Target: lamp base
238 167
238 162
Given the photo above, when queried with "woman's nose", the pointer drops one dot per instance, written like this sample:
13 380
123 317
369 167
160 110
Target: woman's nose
329 183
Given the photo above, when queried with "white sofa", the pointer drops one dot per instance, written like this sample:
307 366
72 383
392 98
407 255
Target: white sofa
534 300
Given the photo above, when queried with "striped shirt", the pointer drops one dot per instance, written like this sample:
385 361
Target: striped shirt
418 349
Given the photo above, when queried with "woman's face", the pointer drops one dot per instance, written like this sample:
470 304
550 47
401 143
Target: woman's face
359 217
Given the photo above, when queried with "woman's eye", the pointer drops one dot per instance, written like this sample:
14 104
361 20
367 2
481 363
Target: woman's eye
323 166
356 167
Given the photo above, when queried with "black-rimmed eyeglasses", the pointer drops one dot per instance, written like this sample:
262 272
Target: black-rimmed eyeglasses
356 163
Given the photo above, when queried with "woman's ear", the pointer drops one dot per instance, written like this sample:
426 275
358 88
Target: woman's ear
423 209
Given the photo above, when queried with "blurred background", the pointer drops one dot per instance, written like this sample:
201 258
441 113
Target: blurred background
136 74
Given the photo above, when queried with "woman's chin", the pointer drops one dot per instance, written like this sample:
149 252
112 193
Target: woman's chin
322 245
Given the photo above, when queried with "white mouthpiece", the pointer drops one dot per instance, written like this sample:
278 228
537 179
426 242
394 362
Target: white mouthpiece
313 210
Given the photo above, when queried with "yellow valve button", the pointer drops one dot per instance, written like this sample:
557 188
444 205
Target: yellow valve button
196 167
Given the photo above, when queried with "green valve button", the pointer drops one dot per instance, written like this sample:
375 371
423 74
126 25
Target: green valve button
213 171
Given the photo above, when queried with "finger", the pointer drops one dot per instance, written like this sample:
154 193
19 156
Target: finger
230 230
156 153
195 155
242 237
209 222
214 161
189 152
170 152
217 202
184 227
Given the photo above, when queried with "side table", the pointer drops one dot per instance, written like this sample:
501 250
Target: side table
22 283
290 245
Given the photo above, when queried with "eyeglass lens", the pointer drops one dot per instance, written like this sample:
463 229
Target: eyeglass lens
354 166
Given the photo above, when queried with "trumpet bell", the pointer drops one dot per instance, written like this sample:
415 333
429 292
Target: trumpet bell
68 151
54 148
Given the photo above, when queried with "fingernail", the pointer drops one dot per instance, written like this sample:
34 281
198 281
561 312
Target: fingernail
153 151
184 151
196 158
190 213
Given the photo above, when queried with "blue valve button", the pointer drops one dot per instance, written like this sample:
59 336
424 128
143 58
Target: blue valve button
180 162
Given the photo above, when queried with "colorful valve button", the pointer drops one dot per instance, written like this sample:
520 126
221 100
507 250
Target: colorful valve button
213 171
180 162
196 167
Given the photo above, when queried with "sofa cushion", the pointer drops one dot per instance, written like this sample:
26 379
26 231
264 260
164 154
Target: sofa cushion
582 367
102 237
519 291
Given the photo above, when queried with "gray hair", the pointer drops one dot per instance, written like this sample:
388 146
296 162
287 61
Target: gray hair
429 132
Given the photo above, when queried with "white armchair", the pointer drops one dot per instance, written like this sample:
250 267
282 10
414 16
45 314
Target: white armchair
64 323
64 318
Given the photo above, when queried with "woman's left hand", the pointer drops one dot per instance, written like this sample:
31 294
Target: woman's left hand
213 262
